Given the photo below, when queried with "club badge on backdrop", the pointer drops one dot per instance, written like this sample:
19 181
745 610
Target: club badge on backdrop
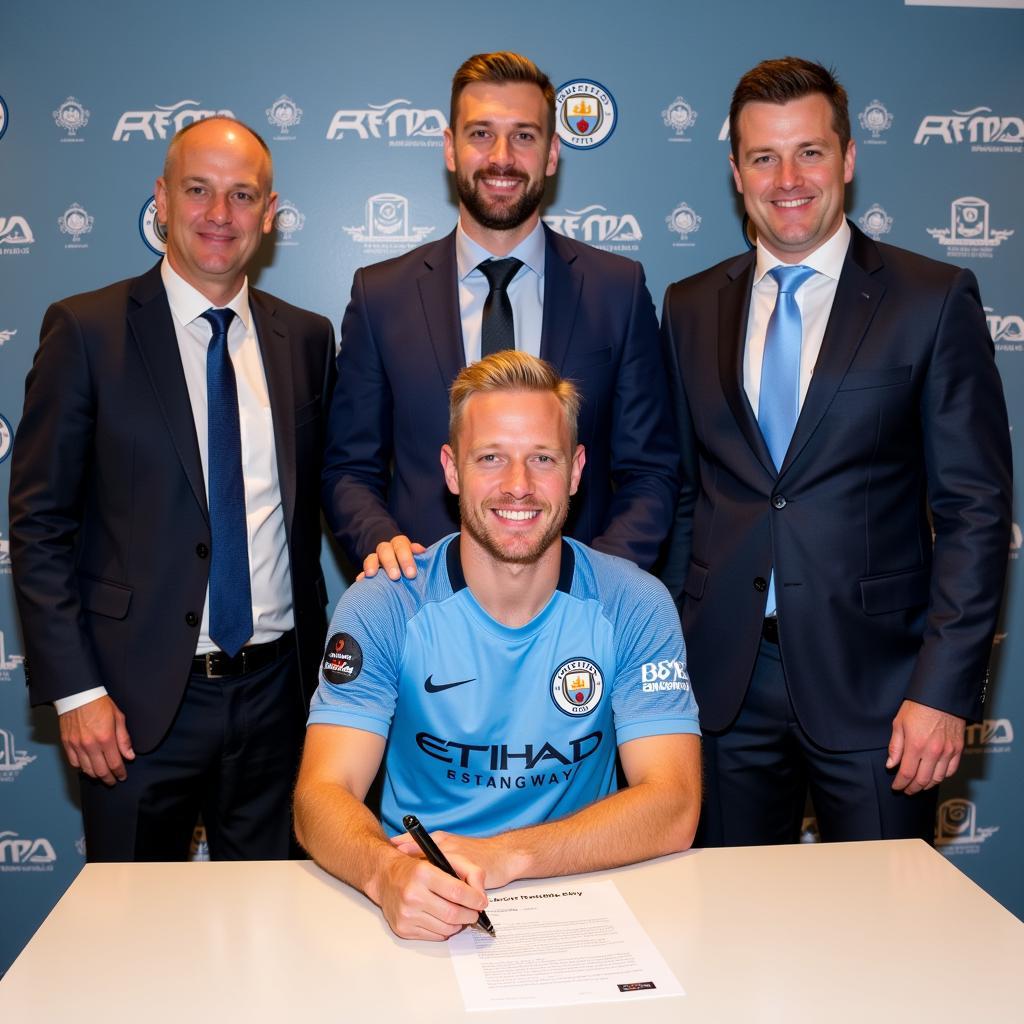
585 113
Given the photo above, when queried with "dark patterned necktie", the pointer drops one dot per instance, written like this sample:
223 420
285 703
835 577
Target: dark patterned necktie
497 328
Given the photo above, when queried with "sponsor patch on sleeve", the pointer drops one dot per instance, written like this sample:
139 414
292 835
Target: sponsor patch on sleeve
343 659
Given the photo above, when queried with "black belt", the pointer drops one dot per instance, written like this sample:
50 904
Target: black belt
770 630
218 665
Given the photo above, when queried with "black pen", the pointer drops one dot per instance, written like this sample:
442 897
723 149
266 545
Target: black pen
439 860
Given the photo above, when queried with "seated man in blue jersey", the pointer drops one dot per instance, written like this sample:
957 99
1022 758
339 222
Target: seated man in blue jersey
498 684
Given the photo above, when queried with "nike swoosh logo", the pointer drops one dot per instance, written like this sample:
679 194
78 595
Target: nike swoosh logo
431 687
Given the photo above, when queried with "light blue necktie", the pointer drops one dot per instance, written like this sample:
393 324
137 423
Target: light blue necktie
230 591
779 402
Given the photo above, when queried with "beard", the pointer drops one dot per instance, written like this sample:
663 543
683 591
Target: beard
524 550
498 216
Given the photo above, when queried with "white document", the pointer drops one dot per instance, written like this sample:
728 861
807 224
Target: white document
556 944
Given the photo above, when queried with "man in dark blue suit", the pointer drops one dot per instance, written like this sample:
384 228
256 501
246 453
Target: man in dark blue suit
165 530
839 403
415 321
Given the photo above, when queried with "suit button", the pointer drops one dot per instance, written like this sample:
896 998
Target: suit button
778 501
191 619
760 584
202 550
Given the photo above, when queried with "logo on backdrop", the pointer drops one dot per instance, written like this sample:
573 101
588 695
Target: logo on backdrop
969 233
723 132
12 760
3 117
875 222
398 121
684 221
992 736
984 131
387 230
1007 331
162 122
6 437
18 854
6 336
288 220
957 830
71 116
5 555
613 232
1016 540
284 114
75 221
585 113
9 663
875 119
154 234
679 116
15 236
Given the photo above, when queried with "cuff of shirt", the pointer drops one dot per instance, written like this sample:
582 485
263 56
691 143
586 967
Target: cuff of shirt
76 700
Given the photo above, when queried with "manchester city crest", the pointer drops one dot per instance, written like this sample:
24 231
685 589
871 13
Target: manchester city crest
288 220
875 221
577 686
284 113
71 116
585 113
154 234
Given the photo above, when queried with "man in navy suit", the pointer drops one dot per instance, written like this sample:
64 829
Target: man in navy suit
165 531
839 403
415 321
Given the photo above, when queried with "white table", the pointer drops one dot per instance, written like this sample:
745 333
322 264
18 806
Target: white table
859 932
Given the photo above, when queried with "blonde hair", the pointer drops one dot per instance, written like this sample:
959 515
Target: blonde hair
511 371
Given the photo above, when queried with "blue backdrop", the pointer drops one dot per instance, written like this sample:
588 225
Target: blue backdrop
353 101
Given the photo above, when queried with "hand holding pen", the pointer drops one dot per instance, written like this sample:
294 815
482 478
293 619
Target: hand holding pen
433 854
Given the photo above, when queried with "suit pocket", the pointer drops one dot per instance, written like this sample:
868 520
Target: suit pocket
696 579
894 592
859 380
103 598
308 412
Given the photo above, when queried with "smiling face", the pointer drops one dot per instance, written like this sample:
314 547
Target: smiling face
501 150
514 470
216 201
792 173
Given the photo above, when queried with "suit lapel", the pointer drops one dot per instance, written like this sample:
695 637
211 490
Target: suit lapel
276 352
150 323
733 310
857 297
439 295
563 283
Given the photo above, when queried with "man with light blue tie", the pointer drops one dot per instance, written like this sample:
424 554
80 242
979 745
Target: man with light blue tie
838 403
165 530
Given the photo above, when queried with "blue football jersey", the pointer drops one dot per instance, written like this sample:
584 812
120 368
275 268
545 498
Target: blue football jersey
491 728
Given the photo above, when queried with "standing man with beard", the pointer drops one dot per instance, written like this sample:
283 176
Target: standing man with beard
500 280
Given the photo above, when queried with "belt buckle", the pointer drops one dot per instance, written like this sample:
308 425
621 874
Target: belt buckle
208 665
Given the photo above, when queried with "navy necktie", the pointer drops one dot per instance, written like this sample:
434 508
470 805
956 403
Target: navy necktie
779 402
230 591
497 328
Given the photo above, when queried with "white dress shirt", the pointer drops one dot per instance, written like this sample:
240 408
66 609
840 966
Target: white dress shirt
525 291
269 572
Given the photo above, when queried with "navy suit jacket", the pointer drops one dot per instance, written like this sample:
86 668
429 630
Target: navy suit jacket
903 431
401 349
110 532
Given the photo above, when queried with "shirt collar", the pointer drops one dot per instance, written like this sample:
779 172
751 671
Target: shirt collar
827 259
469 254
188 304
